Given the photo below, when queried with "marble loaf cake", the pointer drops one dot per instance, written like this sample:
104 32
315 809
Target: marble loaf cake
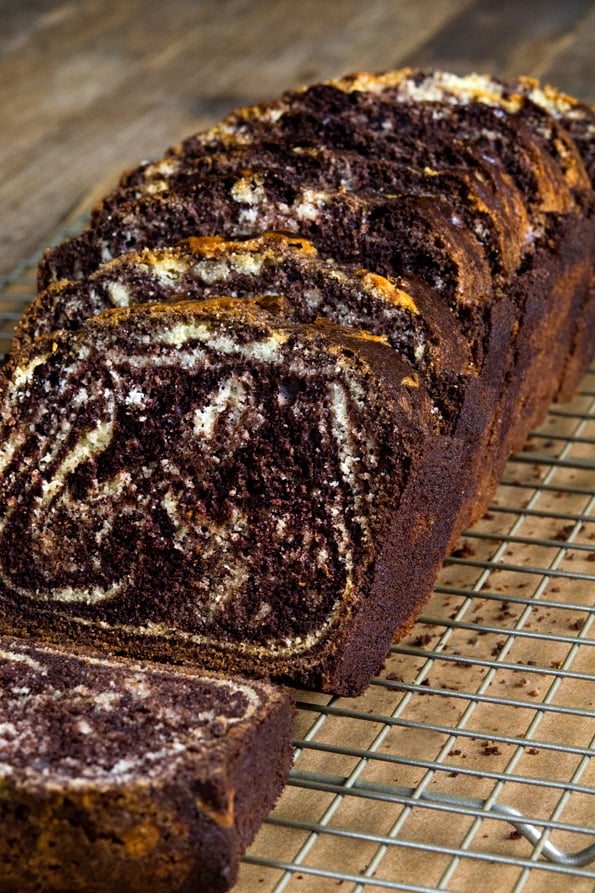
254 404
252 450
116 776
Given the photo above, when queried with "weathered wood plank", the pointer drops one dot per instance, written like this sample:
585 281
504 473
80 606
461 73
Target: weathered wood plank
573 65
92 87
510 38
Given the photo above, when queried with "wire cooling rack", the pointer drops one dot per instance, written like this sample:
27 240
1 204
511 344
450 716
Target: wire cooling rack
466 764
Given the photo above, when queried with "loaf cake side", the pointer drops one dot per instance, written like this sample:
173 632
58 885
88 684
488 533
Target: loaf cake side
121 776
480 193
578 119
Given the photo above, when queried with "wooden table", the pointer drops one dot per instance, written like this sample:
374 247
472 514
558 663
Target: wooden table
91 87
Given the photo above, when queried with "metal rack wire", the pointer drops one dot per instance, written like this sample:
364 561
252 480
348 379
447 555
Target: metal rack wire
467 763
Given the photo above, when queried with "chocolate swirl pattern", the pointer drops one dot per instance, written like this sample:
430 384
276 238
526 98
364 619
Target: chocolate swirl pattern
199 474
166 704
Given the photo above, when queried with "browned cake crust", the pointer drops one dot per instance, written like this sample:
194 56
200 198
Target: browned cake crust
121 776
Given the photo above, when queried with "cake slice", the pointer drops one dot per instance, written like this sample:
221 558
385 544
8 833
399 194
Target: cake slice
404 310
409 113
124 776
480 194
388 234
410 236
211 483
552 345
414 115
576 117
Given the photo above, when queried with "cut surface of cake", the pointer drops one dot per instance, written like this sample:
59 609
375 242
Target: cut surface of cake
209 482
121 776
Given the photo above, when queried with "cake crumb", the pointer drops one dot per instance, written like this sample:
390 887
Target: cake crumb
465 550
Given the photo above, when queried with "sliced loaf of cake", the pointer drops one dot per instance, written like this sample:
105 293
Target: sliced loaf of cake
120 776
494 177
471 191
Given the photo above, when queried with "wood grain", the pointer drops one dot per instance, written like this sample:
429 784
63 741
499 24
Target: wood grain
89 88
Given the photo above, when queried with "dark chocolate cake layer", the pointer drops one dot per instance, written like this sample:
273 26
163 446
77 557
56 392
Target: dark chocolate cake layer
209 482
121 776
